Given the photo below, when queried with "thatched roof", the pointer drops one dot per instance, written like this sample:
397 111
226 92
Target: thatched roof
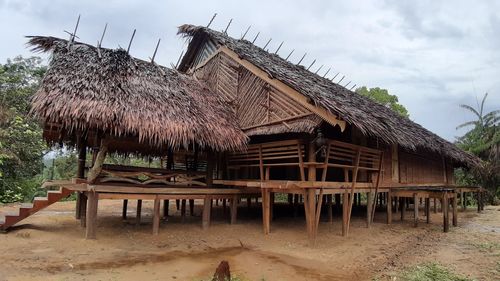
371 118
107 90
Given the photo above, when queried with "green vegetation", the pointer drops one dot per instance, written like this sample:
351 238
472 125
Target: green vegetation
430 272
21 144
383 97
482 140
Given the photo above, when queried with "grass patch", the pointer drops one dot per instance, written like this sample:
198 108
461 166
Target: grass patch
430 272
487 246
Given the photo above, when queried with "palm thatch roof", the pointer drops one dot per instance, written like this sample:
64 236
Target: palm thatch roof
369 117
106 90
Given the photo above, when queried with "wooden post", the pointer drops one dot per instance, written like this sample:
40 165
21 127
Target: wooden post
94 172
156 217
402 207
428 210
124 211
234 208
191 207
266 212
369 205
271 208
91 217
83 209
345 212
311 197
138 213
479 200
329 198
435 206
444 207
165 208
183 210
455 210
80 173
389 207
415 209
207 208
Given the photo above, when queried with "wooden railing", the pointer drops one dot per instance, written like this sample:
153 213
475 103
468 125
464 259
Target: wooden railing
288 153
150 176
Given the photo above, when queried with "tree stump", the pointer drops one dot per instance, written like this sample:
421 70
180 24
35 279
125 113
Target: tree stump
222 272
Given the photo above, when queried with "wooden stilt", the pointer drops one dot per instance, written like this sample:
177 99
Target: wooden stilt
428 210
249 203
311 196
389 207
369 205
165 208
329 199
345 212
183 210
271 203
138 213
124 211
156 217
234 208
91 217
455 210
435 205
191 207
266 212
207 208
178 204
444 207
83 209
78 207
402 208
224 206
415 209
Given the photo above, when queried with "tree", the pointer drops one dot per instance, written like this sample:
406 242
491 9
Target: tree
21 144
383 97
483 140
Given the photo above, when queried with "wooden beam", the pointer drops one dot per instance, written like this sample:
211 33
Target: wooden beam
156 217
91 217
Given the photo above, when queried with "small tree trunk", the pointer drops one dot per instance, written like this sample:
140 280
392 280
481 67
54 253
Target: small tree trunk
222 272
97 167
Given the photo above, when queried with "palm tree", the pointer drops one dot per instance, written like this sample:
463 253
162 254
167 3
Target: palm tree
483 140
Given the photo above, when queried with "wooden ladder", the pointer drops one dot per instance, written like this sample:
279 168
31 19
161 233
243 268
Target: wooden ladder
26 210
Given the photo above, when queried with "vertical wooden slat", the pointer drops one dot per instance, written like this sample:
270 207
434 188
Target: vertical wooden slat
455 210
389 207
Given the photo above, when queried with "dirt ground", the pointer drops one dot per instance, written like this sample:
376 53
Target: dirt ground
50 245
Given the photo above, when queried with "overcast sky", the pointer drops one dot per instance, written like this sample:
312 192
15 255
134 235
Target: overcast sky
434 55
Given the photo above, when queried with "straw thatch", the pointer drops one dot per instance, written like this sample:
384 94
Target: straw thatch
105 90
371 118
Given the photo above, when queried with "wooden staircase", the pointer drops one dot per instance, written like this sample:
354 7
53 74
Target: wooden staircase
26 210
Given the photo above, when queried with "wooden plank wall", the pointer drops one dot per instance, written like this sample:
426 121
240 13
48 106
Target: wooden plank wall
421 167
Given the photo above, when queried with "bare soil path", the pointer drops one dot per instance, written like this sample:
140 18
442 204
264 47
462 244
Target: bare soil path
50 246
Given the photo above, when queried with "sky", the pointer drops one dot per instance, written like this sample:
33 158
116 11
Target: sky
434 55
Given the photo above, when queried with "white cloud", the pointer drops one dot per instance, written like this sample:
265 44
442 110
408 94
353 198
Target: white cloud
433 54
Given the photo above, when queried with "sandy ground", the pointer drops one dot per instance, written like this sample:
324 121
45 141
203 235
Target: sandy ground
50 245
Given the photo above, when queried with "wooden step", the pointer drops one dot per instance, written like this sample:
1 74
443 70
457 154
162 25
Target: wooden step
27 209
